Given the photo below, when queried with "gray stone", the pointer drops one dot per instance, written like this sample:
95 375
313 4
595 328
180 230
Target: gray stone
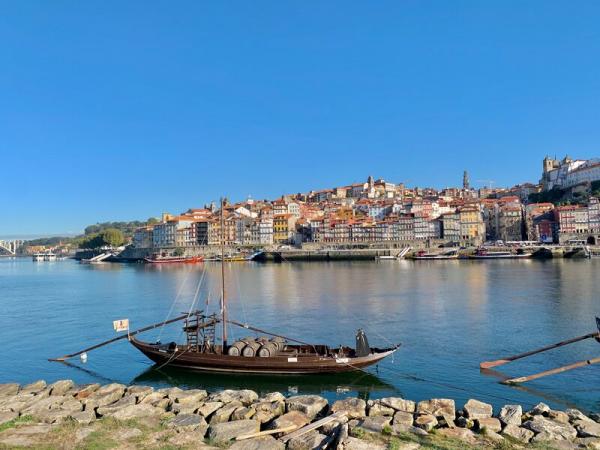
245 396
311 440
34 388
595 417
474 409
127 433
106 395
377 409
554 430
273 397
177 408
53 415
108 410
375 424
437 407
489 424
539 409
518 433
587 428
558 416
402 417
208 408
511 414
243 413
223 414
589 443
8 416
191 439
296 419
426 421
222 433
493 436
462 434
260 443
311 405
140 392
575 414
398 429
188 422
85 391
136 411
83 417
194 396
353 407
463 422
352 443
154 398
61 387
399 404
44 404
8 389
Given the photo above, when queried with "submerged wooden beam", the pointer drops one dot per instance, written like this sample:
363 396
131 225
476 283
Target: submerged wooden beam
546 373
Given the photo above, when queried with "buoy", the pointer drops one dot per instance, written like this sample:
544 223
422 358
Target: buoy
83 357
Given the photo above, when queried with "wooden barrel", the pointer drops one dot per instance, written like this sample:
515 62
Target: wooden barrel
250 349
279 343
236 348
267 350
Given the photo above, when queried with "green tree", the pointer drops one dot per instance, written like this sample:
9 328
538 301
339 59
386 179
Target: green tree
178 251
152 221
112 237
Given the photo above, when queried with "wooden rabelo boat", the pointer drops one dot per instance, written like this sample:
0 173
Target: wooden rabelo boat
270 354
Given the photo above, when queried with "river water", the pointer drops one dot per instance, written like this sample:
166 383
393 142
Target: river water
448 315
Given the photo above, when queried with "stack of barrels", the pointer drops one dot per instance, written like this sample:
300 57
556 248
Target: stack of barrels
262 347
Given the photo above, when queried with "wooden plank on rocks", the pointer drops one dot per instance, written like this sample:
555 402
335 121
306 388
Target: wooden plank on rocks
313 426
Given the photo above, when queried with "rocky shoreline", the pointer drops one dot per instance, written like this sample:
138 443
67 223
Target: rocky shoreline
66 415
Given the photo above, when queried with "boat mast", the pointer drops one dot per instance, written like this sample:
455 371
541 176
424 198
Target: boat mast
223 302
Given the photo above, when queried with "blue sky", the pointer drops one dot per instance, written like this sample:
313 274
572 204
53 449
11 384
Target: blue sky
119 110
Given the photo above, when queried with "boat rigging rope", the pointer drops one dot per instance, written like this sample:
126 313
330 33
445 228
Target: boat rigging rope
180 290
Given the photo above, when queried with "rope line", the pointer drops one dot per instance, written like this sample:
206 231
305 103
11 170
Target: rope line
180 290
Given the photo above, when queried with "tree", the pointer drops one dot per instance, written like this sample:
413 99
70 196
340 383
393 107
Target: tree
152 221
178 251
112 237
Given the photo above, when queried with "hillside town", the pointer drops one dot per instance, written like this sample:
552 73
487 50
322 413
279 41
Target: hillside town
381 211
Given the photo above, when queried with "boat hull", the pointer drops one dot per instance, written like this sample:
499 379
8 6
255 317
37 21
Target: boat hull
191 260
288 364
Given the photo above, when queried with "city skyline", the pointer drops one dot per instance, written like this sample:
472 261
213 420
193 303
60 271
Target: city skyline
176 106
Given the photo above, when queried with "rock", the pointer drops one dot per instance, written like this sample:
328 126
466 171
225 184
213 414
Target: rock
311 440
595 417
518 433
399 429
511 414
154 399
86 390
437 407
223 414
8 416
446 421
399 404
539 409
83 433
193 396
551 429
243 413
273 397
589 443
43 405
311 405
375 424
53 415
260 443
8 389
171 392
83 417
208 408
474 409
61 387
293 418
353 407
34 388
426 421
380 410
587 428
462 434
245 396
136 411
222 433
177 408
189 439
575 414
352 443
404 418
558 416
108 410
493 436
188 422
489 424
105 396
140 392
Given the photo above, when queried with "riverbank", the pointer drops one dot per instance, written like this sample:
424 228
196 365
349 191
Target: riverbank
65 415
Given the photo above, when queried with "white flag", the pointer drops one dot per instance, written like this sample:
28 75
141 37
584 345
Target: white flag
121 325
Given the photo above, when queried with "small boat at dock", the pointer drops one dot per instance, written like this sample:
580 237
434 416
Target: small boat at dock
160 259
423 255
499 254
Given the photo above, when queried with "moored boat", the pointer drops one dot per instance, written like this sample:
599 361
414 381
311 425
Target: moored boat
498 254
160 259
423 255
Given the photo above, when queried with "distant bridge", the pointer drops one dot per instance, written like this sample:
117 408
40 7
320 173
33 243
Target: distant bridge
10 247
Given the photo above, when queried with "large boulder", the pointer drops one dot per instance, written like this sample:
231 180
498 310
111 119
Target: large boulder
352 443
437 407
259 443
8 416
188 422
426 422
267 411
462 434
245 396
105 396
61 387
489 424
517 433
110 409
294 419
191 397
474 409
353 407
311 405
34 388
208 408
402 417
222 433
375 424
511 414
136 412
84 391
243 413
551 430
377 409
308 441
587 428
399 404
83 417
8 389
539 409
140 392
223 414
